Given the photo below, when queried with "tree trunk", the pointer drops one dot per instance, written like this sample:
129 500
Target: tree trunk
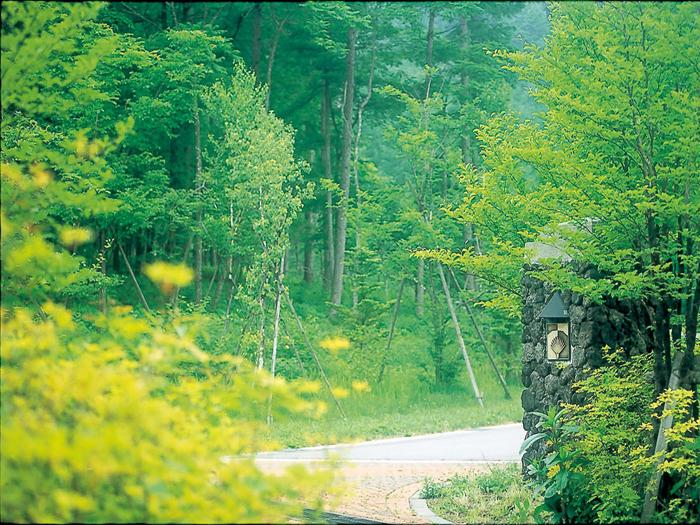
328 174
271 60
199 188
163 15
227 315
173 13
185 255
275 333
420 273
420 288
337 293
257 21
309 246
227 318
223 276
260 361
651 494
458 334
356 167
466 142
430 37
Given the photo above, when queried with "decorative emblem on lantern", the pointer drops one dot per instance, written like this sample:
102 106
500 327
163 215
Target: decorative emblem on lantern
557 329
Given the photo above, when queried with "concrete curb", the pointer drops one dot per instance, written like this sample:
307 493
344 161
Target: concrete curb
420 507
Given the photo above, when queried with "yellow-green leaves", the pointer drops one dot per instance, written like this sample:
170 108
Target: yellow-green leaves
74 237
168 276
335 344
93 430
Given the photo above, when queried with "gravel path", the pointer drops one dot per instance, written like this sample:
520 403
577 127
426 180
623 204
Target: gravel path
382 475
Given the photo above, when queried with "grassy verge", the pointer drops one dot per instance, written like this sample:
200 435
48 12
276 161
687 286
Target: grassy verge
498 496
376 415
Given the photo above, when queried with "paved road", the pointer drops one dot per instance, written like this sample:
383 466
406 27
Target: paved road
487 444
381 476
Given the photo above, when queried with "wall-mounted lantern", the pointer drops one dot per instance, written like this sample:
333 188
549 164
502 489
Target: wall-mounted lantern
557 328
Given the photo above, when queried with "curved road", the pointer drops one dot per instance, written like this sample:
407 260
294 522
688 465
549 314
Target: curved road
382 475
488 444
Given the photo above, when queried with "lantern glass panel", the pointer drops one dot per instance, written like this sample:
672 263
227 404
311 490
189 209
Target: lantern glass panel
558 345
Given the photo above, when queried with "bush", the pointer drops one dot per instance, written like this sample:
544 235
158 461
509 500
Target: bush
597 464
93 429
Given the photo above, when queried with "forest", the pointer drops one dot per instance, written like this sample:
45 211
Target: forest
233 227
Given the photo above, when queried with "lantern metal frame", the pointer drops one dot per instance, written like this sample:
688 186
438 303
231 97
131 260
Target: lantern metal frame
554 312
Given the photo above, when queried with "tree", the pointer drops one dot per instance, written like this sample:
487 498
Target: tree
611 175
116 416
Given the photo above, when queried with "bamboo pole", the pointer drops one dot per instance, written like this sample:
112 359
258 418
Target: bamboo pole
458 333
481 338
294 347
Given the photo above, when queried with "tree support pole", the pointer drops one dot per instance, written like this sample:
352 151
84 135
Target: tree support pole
481 338
458 333
133 278
318 363
391 331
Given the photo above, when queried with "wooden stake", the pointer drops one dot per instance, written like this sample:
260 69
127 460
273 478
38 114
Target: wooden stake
133 278
458 333
481 337
391 331
318 363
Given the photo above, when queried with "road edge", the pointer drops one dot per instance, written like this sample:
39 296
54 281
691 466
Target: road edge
420 508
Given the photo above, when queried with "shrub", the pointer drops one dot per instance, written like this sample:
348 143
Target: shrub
93 429
597 464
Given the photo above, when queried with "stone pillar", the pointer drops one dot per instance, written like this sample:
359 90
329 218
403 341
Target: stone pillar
618 324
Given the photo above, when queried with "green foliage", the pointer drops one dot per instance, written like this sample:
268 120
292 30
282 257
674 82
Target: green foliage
104 422
137 142
611 433
110 416
431 489
497 496
618 121
106 425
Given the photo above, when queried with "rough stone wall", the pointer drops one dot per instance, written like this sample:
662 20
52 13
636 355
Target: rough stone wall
618 324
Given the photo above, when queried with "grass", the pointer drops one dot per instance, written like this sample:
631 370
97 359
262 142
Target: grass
396 411
406 402
498 496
